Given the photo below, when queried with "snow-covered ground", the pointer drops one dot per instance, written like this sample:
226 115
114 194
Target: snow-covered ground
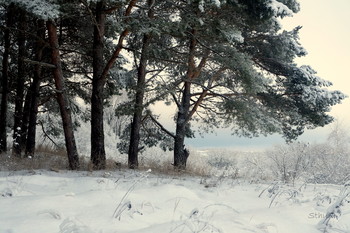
139 201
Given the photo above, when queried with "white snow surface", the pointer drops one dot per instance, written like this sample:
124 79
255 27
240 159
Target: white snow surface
140 201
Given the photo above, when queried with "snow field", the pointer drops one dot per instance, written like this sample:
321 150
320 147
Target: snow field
137 201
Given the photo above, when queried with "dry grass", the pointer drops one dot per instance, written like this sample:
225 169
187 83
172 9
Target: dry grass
111 164
198 169
48 158
39 161
49 150
165 167
45 158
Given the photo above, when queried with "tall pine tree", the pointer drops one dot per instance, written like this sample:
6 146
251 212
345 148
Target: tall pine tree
238 71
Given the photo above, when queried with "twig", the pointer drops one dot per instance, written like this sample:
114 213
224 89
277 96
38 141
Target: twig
46 135
119 209
161 126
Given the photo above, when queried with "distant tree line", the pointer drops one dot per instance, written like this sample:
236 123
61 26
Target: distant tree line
221 63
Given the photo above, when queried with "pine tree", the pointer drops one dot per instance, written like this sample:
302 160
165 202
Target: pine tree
221 63
48 11
240 73
62 99
98 155
101 72
140 92
20 84
5 78
35 88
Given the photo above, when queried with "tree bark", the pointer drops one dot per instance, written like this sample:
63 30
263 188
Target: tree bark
98 155
119 47
62 99
5 79
182 120
138 107
25 119
34 90
18 116
180 153
139 96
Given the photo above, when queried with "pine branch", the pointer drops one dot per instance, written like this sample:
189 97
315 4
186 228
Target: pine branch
166 92
27 33
119 46
39 63
175 100
205 92
112 9
46 135
161 126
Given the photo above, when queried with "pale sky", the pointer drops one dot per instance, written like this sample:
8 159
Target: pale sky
326 37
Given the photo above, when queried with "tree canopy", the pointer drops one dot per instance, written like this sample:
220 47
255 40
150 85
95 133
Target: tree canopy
222 63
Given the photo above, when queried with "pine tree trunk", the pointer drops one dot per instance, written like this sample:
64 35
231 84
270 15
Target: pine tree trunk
25 119
138 106
18 117
62 99
135 139
180 153
139 96
98 155
34 90
5 79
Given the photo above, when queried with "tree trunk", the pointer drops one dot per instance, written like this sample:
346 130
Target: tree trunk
34 90
62 99
139 96
18 117
138 107
98 155
25 119
4 81
180 153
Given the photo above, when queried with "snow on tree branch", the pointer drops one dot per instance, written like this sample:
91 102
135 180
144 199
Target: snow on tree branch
280 9
44 9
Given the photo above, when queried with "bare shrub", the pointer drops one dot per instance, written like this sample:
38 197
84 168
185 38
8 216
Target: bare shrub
290 162
332 159
255 167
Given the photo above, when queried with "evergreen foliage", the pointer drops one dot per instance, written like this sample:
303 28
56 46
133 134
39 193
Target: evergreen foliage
222 63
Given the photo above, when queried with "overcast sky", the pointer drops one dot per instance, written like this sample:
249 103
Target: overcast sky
326 37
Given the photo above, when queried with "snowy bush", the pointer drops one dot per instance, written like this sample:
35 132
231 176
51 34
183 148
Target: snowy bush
254 166
290 162
223 162
332 159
